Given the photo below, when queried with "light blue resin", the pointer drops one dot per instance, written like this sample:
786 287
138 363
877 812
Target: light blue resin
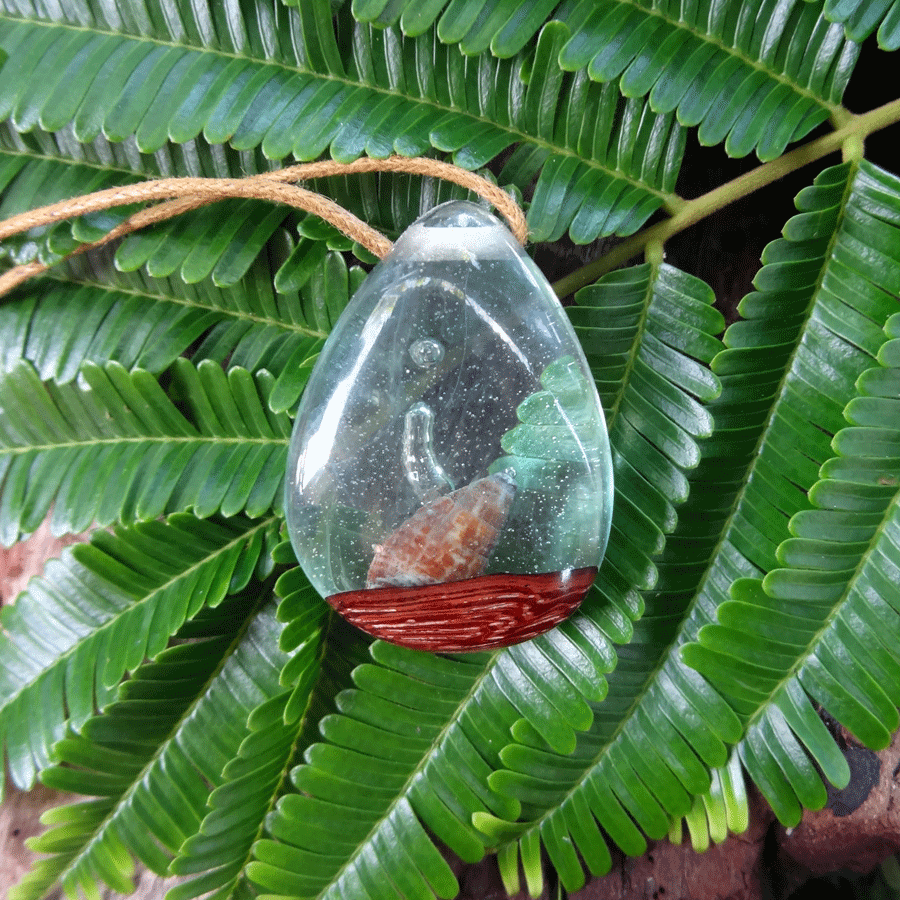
453 360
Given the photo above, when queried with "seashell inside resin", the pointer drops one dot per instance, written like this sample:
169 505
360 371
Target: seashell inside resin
448 539
449 480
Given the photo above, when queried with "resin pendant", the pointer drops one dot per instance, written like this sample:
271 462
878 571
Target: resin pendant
449 477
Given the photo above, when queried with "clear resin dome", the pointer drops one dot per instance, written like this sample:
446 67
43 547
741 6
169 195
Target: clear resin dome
449 477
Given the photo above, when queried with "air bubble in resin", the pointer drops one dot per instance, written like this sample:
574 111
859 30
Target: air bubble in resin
426 352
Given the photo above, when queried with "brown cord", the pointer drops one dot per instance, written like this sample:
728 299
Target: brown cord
183 194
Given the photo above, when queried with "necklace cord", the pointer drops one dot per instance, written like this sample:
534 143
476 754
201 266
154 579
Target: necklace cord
173 196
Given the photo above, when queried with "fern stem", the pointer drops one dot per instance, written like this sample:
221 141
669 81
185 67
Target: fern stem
850 136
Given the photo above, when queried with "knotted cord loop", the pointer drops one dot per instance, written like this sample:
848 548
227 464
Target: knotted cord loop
180 195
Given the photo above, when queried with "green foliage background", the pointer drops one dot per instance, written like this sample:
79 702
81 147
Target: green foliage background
179 672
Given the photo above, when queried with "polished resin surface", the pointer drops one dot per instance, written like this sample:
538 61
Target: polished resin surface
451 434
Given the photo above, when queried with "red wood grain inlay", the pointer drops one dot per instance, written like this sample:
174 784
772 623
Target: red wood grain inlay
481 613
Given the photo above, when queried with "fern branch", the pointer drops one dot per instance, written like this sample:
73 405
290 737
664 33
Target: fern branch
835 598
179 720
642 761
322 652
645 757
129 601
451 751
122 426
299 857
721 67
601 141
136 325
849 135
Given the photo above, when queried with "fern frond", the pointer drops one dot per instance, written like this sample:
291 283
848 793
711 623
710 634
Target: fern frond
831 607
321 651
99 611
108 312
724 68
219 852
721 811
115 446
221 241
613 160
648 336
832 307
661 727
178 723
860 19
393 717
63 167
59 325
146 325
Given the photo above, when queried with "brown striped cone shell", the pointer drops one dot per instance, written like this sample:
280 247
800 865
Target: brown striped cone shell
447 539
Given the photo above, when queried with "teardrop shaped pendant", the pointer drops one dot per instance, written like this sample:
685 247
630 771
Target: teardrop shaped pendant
449 476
